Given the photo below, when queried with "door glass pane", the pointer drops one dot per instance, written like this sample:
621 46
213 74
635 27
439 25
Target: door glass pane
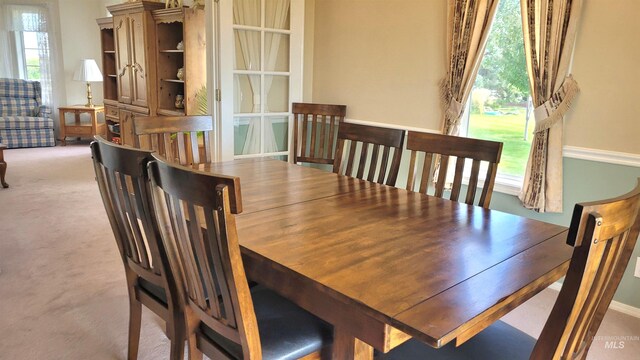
247 12
247 135
276 134
247 50
276 52
277 14
246 93
277 90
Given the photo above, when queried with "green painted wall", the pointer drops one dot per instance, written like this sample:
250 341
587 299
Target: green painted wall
586 181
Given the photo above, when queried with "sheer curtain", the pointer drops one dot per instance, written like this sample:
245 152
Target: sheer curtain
8 60
16 18
272 48
248 12
550 28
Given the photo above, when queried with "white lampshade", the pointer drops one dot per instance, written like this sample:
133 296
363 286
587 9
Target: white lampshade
87 71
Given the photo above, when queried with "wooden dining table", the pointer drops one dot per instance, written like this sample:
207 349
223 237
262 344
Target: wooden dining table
382 264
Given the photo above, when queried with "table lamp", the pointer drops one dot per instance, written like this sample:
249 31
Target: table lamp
88 71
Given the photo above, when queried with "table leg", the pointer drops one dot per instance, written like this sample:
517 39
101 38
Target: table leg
345 346
78 123
3 168
63 137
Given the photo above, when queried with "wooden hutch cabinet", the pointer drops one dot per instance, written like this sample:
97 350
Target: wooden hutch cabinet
144 46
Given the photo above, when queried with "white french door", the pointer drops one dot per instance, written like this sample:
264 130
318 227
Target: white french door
261 66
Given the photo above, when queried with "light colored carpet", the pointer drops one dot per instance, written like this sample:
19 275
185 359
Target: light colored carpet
62 287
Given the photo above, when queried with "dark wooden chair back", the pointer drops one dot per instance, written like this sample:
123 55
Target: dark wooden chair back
314 131
436 146
382 141
603 234
123 183
198 229
185 140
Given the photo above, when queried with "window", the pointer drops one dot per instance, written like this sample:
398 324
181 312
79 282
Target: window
25 48
499 108
30 64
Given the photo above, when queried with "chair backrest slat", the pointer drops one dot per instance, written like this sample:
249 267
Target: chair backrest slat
426 173
473 182
313 140
199 233
372 168
442 176
438 149
457 180
603 234
379 138
175 137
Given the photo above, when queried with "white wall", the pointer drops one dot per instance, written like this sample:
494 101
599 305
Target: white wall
80 40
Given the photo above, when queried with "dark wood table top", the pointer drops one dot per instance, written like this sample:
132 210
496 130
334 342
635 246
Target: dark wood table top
432 268
267 183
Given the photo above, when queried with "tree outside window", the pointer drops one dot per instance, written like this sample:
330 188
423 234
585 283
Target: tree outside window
499 106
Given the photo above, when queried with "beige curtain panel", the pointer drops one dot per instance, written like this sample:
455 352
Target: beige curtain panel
469 22
549 28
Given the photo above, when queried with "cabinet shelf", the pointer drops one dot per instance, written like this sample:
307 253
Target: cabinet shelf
112 75
173 81
110 52
171 51
171 112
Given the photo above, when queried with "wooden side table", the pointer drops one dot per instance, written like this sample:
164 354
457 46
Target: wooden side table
3 166
79 130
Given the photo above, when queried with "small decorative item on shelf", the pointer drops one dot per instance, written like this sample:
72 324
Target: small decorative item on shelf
173 4
180 46
179 101
198 4
180 74
116 140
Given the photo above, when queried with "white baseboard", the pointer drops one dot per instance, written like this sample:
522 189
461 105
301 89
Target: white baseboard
615 305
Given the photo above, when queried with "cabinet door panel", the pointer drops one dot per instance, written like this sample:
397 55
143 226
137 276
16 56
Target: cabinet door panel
139 71
123 68
126 128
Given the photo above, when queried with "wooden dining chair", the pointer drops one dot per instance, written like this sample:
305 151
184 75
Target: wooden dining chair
226 318
123 183
186 140
603 234
435 146
372 165
314 131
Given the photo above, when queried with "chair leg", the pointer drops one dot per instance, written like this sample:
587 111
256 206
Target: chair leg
135 322
194 352
192 323
176 334
177 349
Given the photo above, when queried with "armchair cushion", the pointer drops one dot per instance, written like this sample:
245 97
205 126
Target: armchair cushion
25 122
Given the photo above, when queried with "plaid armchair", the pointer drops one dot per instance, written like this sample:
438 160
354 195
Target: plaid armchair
24 121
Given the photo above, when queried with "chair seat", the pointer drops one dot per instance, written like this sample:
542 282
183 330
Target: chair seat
499 341
286 330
